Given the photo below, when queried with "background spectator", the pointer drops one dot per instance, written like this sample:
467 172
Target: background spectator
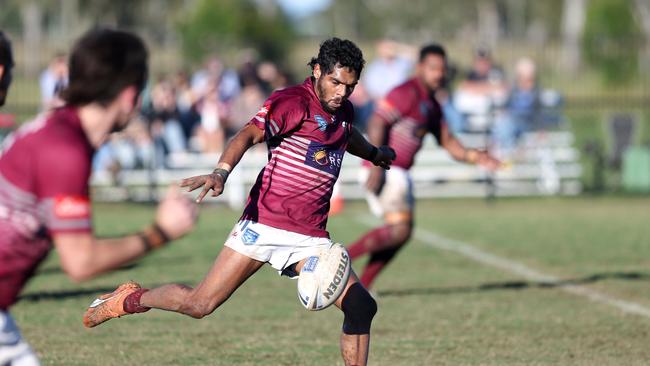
52 81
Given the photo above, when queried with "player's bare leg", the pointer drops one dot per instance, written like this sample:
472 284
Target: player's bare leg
228 272
359 309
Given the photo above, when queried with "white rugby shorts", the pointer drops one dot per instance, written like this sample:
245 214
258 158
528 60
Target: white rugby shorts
277 247
396 194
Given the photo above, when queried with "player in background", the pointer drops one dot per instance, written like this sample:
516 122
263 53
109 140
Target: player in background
6 65
44 172
307 129
401 120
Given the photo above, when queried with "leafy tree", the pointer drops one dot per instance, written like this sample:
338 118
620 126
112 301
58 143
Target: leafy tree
222 25
611 40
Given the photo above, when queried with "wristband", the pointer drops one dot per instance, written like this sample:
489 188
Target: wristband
222 172
153 237
373 153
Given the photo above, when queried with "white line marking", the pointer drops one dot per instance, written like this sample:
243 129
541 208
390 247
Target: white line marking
478 255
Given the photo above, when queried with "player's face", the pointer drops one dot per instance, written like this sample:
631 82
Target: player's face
5 82
432 71
130 103
334 88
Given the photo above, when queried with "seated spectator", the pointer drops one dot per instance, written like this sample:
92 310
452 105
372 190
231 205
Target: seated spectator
484 88
129 149
186 100
485 77
164 122
216 75
388 70
522 109
210 132
248 102
271 77
52 81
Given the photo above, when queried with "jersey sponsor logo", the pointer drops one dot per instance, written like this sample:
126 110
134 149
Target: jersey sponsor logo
338 278
322 123
71 207
320 157
310 264
250 236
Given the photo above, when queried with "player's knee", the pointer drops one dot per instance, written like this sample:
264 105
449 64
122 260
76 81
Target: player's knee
197 307
402 232
359 309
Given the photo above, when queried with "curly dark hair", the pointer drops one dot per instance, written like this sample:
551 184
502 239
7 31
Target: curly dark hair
336 51
6 57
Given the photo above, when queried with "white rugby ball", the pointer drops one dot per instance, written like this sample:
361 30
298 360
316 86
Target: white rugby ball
323 277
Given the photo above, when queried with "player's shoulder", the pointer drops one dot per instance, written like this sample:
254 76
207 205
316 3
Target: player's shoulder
61 135
292 97
405 90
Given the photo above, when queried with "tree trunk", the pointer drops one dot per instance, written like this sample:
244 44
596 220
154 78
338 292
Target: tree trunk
32 34
573 22
488 23
642 13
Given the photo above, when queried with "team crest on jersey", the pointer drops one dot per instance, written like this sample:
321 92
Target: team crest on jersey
322 123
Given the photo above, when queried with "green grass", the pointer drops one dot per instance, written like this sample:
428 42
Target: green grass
434 307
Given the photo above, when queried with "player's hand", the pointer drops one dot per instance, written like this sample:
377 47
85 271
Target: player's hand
376 180
208 181
385 157
487 161
176 214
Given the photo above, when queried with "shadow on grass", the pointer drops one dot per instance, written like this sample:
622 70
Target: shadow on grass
74 293
56 269
517 285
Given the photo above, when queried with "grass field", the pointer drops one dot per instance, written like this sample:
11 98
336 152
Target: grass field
436 307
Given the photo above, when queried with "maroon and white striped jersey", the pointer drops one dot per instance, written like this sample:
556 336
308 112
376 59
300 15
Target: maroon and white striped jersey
44 171
306 147
409 112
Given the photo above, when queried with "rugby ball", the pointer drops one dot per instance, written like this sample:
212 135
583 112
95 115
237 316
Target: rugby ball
323 277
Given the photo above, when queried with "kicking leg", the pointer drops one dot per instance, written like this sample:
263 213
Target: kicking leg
228 272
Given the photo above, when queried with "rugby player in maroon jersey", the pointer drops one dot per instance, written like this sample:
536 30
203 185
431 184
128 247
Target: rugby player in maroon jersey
307 129
401 120
44 170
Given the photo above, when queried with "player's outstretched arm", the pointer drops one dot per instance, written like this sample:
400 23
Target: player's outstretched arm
461 153
381 156
84 256
235 149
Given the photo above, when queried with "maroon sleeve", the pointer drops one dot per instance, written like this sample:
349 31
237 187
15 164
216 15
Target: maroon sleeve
279 115
62 186
395 105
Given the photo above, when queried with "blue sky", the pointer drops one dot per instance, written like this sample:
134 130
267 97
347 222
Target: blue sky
301 8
